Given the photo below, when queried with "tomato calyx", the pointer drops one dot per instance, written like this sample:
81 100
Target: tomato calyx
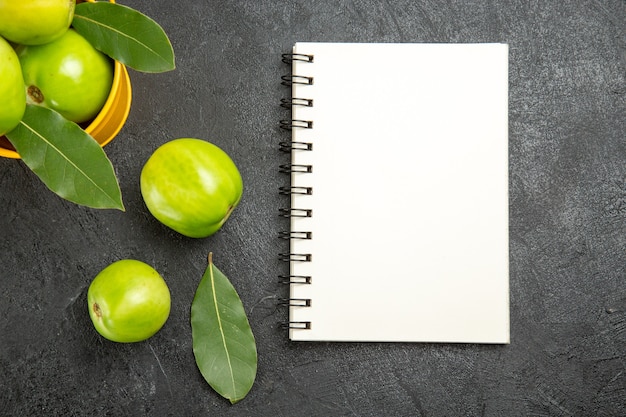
97 310
34 94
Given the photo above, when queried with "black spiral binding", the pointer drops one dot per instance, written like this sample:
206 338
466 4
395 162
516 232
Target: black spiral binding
296 190
288 147
289 58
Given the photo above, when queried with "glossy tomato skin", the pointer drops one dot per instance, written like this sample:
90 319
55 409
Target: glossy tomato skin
128 301
12 97
67 75
35 22
191 186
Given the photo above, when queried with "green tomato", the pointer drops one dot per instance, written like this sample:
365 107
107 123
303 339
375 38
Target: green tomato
67 75
12 97
35 22
191 186
128 301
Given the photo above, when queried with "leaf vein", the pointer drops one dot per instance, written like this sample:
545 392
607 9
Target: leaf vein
122 35
219 322
67 160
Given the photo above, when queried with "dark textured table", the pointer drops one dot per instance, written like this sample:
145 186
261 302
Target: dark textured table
567 228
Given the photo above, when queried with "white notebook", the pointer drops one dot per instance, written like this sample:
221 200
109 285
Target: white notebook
399 192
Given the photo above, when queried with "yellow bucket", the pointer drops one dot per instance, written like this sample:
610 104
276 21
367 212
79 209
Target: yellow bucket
114 113
107 124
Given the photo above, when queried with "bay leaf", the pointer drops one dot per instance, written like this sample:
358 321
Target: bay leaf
125 35
223 343
68 160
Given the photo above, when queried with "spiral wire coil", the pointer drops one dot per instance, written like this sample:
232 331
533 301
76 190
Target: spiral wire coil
289 168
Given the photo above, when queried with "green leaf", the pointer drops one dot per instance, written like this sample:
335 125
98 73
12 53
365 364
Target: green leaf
68 160
125 35
223 343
